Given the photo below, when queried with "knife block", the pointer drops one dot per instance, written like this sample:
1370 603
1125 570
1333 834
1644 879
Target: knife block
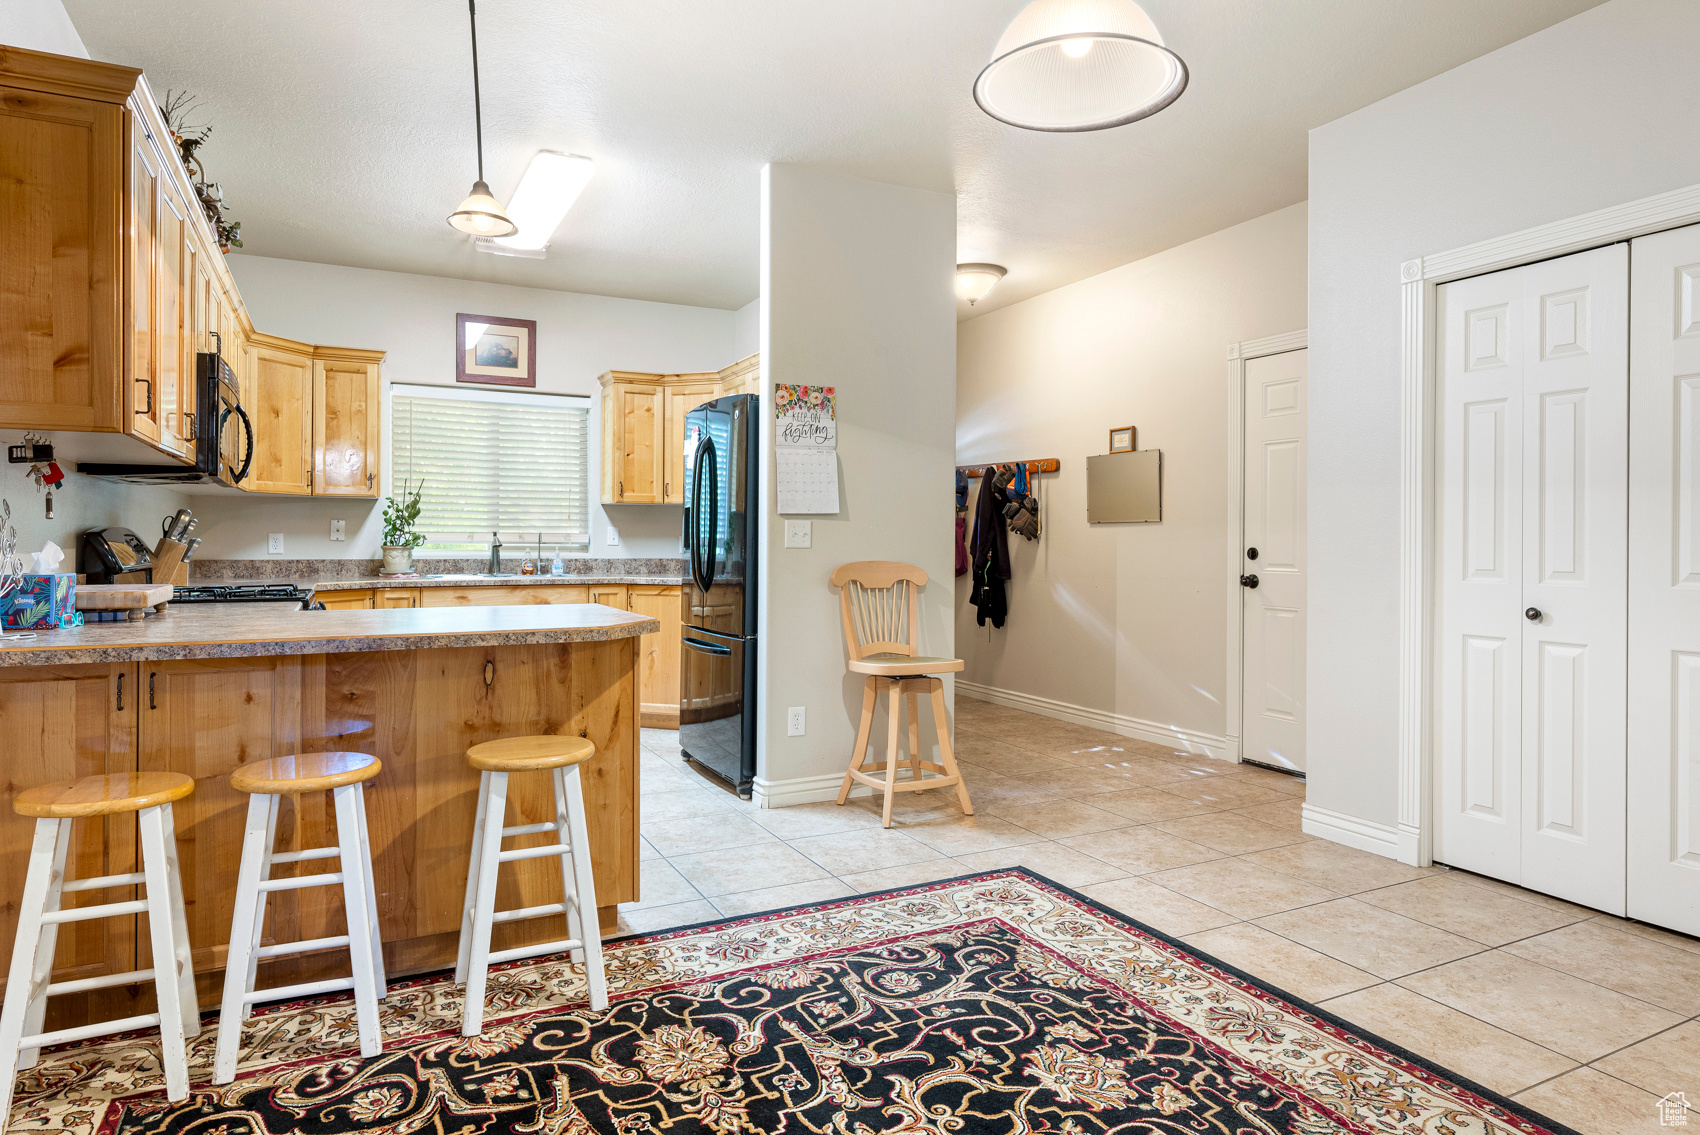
168 565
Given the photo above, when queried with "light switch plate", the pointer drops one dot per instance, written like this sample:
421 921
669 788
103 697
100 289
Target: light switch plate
794 717
613 537
274 543
339 530
799 533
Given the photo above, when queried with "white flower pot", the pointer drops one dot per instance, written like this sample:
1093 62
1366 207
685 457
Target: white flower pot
397 561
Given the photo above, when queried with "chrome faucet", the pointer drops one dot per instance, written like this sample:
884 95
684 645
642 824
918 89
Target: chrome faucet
495 554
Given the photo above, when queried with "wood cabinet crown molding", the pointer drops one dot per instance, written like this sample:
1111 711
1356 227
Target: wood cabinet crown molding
348 355
645 378
66 75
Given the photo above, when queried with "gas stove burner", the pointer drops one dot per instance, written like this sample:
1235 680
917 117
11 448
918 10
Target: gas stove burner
242 593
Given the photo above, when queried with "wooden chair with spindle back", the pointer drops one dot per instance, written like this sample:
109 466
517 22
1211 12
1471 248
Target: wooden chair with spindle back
881 605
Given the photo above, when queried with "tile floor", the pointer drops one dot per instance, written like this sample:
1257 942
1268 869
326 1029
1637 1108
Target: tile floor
1584 1017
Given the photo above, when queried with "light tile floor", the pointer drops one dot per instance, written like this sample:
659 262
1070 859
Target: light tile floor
1584 1017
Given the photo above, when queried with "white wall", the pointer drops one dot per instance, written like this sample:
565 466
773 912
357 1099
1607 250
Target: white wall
413 318
746 329
40 25
857 294
1125 618
1592 112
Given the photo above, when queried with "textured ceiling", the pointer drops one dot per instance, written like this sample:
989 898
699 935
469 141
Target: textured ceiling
343 128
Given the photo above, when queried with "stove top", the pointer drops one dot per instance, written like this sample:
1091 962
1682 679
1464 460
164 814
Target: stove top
242 593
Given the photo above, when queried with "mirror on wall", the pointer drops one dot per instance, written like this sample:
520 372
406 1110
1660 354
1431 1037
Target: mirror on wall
1125 488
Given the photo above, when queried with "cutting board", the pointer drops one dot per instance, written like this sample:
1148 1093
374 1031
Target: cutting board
132 597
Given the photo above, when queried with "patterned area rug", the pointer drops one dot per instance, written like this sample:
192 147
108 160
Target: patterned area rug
998 1003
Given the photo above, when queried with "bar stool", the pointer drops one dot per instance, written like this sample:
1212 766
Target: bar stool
344 775
29 984
495 760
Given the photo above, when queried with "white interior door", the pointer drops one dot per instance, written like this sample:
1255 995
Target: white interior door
1532 532
1664 583
1272 717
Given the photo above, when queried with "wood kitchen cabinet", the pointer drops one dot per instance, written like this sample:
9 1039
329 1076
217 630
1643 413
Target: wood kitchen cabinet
347 422
503 595
658 654
282 412
362 600
681 400
387 598
643 427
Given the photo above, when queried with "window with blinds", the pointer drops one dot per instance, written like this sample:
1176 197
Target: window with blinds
491 461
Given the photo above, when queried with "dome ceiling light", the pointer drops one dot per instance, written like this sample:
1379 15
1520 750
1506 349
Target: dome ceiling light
480 214
1070 65
974 282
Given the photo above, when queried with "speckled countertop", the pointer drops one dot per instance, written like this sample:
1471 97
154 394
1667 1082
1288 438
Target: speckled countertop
380 582
239 630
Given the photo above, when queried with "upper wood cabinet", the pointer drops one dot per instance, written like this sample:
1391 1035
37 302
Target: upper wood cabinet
347 423
643 427
318 419
282 411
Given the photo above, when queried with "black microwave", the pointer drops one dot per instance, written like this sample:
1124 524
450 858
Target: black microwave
224 435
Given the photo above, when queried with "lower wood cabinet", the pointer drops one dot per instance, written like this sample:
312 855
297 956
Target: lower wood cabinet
658 657
361 600
503 595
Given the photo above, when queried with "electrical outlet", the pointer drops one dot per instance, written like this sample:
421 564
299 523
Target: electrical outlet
799 533
274 543
339 530
613 537
794 720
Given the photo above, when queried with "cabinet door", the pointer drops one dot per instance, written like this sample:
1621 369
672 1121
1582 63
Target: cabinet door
389 597
634 439
658 655
172 330
609 595
61 173
205 718
66 722
345 600
282 411
512 595
141 392
681 400
347 416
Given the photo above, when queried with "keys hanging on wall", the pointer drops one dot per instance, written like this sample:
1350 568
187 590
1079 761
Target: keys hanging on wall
47 476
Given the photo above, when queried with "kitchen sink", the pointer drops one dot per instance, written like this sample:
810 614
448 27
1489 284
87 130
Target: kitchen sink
476 575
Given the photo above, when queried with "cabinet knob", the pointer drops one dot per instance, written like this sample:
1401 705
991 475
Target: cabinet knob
1533 614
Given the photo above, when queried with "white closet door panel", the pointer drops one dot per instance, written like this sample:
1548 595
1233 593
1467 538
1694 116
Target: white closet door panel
1575 522
1664 583
1479 645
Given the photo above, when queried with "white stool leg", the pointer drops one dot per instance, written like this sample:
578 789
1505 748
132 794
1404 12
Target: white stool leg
463 954
484 902
569 893
25 947
371 892
36 1018
585 892
157 859
191 1003
274 805
244 935
357 910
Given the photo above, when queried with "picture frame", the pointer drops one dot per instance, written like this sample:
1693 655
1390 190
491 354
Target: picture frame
1121 439
495 350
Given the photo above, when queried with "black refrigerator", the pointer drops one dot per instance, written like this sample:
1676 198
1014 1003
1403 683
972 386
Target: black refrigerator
717 667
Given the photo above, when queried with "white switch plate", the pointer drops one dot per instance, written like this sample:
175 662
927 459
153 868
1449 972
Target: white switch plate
339 530
274 543
799 533
613 537
794 716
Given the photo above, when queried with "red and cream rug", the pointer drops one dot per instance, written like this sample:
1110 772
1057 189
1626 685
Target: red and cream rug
999 1003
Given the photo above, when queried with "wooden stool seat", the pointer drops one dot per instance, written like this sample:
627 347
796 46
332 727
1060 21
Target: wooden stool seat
102 795
304 772
529 754
903 665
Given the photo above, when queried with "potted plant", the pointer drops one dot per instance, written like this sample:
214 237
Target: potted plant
400 515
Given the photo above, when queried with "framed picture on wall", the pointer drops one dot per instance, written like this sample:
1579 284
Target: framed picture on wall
491 349
1121 440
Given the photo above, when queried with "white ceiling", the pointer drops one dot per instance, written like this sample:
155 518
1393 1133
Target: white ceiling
343 128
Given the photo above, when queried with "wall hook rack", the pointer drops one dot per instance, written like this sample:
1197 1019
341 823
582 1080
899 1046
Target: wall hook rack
1034 465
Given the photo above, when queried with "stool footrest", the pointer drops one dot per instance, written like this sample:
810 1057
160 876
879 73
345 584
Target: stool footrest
528 829
519 952
904 785
306 945
534 852
84 984
84 1032
329 878
104 910
302 989
303 856
518 913
103 882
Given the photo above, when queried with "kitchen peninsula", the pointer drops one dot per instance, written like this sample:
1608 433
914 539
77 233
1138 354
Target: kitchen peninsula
203 690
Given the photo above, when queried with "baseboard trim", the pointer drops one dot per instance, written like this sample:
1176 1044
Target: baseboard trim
1365 835
1189 739
766 793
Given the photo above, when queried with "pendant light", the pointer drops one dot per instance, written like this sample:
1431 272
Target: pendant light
974 282
480 214
1070 65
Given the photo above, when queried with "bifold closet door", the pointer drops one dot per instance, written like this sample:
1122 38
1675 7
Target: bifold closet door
1532 499
1664 583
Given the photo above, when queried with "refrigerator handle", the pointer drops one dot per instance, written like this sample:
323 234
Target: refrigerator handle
708 647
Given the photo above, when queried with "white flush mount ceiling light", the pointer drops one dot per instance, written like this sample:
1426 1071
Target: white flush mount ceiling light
1069 65
551 184
974 282
480 214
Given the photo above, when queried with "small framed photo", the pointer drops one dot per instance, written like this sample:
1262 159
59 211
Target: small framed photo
1121 440
490 349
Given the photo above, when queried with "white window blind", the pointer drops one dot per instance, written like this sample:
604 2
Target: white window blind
493 462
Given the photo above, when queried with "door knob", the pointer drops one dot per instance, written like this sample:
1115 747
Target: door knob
1533 614
1249 581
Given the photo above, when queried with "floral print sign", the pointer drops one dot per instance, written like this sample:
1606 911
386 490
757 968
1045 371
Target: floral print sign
806 415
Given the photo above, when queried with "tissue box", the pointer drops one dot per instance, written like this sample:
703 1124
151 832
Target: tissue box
42 603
